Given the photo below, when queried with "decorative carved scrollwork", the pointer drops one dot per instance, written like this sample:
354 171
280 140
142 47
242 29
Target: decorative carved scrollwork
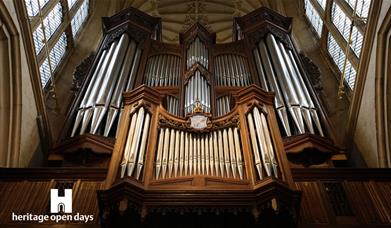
81 72
313 73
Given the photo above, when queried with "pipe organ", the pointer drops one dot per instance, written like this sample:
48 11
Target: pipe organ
197 91
114 74
162 70
287 82
222 105
213 121
231 70
197 52
216 153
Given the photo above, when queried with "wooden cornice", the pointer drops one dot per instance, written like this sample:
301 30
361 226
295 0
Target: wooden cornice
49 173
253 92
296 144
338 174
96 143
262 15
141 198
133 15
143 92
195 30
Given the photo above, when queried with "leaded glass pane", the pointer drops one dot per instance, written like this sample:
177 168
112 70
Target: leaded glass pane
79 18
313 17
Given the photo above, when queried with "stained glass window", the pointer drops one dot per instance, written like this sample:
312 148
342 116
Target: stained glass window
362 8
50 34
338 56
71 3
79 18
322 3
34 6
313 17
343 24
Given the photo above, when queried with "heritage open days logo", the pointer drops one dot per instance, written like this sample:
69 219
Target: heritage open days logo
60 209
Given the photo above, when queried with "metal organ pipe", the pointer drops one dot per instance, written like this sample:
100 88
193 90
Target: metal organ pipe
136 142
162 70
217 153
260 135
298 89
197 90
231 70
197 52
115 102
271 78
312 108
114 73
107 86
88 101
80 112
222 104
286 82
290 90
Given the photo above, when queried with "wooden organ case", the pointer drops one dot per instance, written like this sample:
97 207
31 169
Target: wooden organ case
197 133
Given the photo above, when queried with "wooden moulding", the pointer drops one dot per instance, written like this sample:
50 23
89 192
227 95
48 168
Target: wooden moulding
143 92
127 196
48 173
309 149
260 16
253 92
340 174
197 30
135 16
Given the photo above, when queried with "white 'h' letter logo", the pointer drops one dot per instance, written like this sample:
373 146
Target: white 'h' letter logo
61 203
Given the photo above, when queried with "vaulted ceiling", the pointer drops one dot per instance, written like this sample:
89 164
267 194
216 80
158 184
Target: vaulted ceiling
178 15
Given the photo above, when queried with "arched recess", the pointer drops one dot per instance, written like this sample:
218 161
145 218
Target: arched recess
10 90
383 92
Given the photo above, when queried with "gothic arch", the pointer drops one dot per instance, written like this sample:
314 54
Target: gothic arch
383 92
10 90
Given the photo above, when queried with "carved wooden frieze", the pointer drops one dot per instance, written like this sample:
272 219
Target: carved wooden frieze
81 72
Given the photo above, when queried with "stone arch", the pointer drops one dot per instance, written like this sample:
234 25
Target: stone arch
10 90
383 92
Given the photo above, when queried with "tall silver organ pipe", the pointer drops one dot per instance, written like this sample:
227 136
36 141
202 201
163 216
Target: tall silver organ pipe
172 105
114 73
232 70
162 70
262 146
222 105
197 90
197 52
203 154
136 143
288 84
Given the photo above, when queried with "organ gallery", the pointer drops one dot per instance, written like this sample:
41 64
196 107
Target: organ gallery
199 134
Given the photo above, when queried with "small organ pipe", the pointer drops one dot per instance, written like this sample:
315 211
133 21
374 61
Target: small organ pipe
159 153
165 152
232 153
238 153
140 162
181 153
128 144
226 152
253 139
135 141
176 154
171 153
